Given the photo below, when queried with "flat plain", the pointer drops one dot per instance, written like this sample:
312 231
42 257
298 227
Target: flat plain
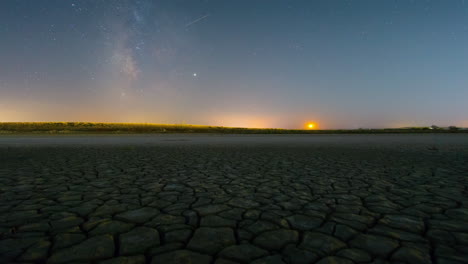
234 198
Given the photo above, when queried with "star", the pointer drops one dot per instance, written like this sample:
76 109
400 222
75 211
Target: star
194 74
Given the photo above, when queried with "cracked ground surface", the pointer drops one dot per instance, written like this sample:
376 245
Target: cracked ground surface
181 202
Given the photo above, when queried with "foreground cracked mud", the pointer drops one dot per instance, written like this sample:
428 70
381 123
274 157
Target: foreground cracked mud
225 204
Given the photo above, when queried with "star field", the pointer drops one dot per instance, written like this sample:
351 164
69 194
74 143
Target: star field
342 64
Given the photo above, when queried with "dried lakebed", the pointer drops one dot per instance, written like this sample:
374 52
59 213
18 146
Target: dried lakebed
234 199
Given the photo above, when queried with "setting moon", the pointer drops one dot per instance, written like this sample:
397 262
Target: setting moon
311 125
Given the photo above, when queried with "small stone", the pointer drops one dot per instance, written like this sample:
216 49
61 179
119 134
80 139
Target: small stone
140 259
211 240
138 240
138 216
376 245
325 244
95 248
243 253
354 254
411 255
276 239
181 257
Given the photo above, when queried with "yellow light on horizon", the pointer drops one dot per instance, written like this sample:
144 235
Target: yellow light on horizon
311 126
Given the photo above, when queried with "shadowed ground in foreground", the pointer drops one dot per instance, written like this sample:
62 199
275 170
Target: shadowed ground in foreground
234 199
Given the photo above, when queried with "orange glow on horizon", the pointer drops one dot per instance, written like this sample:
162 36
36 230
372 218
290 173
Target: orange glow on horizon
241 120
311 125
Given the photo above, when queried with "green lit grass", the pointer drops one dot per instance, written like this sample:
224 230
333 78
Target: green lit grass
142 128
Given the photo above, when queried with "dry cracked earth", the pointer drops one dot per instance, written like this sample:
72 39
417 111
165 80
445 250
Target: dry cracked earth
233 203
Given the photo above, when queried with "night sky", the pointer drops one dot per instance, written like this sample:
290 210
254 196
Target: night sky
342 64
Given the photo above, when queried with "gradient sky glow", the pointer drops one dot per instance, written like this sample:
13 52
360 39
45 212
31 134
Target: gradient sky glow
342 64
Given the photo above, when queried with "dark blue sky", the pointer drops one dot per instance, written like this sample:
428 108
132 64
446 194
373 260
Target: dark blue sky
342 64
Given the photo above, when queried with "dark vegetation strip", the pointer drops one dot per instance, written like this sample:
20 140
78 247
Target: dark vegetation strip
125 128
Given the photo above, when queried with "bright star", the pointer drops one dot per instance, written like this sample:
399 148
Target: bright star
195 74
